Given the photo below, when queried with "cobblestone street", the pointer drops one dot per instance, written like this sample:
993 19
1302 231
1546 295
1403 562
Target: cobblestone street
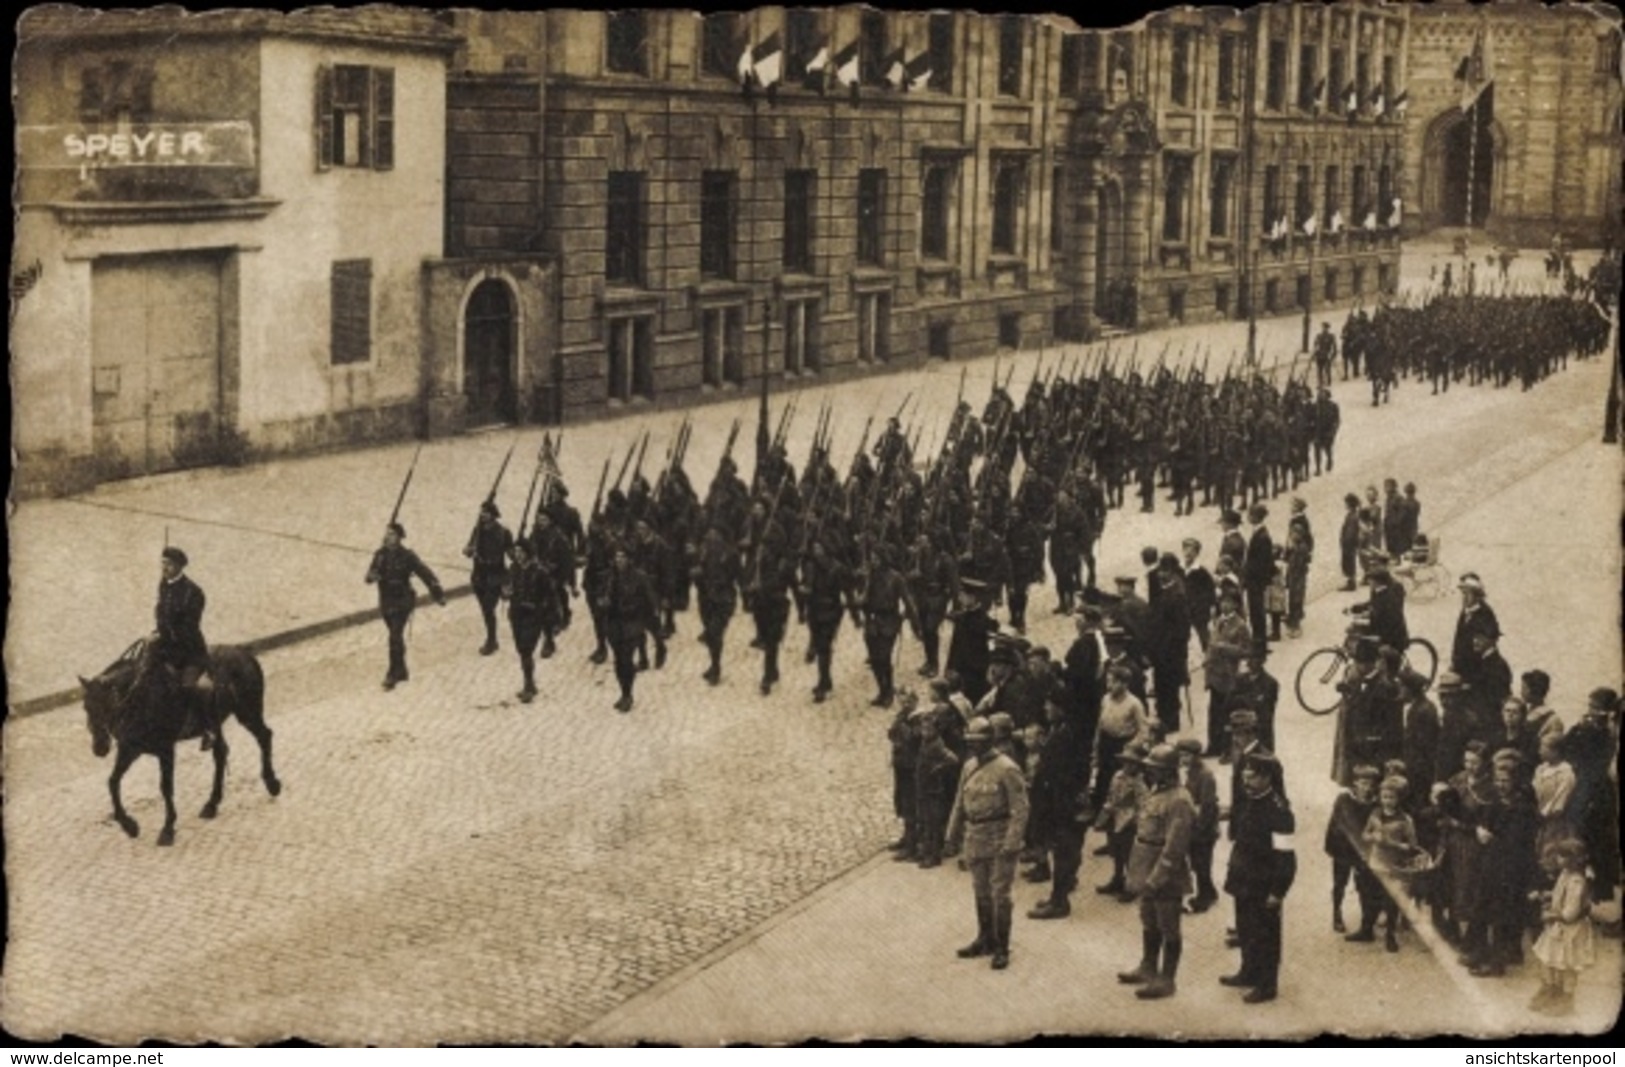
448 865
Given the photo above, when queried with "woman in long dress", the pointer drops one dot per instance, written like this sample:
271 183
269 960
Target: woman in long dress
1456 807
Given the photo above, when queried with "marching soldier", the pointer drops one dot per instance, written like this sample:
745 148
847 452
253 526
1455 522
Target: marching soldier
1325 355
658 565
530 601
392 569
932 585
990 817
551 550
630 608
770 573
489 546
883 604
716 585
826 587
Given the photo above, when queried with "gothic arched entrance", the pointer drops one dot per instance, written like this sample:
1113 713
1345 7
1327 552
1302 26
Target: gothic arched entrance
1460 156
489 332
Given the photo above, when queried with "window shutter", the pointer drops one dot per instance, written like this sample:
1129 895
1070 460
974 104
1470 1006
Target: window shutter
324 117
383 118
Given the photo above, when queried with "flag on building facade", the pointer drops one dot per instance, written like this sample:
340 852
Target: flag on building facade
1351 100
1393 219
917 72
1335 224
1402 100
1378 103
1370 220
1319 101
1309 225
1476 75
894 69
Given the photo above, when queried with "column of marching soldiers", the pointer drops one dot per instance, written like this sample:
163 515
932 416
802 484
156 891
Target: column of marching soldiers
947 533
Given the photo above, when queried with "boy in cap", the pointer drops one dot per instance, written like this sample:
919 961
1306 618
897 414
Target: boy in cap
1345 844
904 735
1159 873
392 569
1117 816
1232 641
1123 721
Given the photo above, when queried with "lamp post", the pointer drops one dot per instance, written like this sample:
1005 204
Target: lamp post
1252 307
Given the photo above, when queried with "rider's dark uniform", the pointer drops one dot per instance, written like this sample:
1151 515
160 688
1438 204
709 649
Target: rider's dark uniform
179 616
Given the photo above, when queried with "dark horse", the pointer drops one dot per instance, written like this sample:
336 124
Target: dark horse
137 703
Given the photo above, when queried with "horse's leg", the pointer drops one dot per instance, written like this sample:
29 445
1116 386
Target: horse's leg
166 784
121 763
221 751
253 721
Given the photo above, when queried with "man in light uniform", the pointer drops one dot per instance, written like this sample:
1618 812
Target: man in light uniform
990 814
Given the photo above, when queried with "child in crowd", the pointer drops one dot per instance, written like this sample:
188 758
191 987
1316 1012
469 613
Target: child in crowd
1567 943
1204 792
1119 814
1391 835
1345 837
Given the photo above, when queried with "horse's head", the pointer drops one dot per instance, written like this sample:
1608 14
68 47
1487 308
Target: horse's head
99 702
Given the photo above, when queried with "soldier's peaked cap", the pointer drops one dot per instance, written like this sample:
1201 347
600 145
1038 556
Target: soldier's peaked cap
1163 757
175 556
978 729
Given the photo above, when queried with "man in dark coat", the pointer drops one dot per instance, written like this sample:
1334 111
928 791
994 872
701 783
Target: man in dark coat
530 598
1476 617
392 569
1384 612
1505 830
932 585
1327 420
1258 569
968 647
770 572
1201 594
1058 803
1085 670
826 590
1348 541
1420 749
1168 641
1263 866
177 637
883 602
1257 690
489 546
1488 678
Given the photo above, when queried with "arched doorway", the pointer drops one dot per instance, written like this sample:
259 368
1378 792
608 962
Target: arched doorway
1469 174
489 331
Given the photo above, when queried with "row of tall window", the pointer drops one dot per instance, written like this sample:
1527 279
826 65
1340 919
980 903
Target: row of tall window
1178 172
1323 90
1093 61
805 34
627 225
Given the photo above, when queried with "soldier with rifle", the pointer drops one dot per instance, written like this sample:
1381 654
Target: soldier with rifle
883 604
627 599
658 563
529 603
489 546
933 585
392 569
826 590
716 574
770 567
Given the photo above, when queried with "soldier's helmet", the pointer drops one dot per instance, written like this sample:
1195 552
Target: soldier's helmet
1162 757
1002 725
979 729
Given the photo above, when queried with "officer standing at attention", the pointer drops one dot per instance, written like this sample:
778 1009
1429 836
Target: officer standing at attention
489 546
1262 868
1159 873
393 567
990 816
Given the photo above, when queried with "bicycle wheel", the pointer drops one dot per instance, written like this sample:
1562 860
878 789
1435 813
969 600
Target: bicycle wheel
1422 657
1317 681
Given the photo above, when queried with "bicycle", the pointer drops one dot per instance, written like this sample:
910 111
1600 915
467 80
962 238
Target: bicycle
1422 575
1321 672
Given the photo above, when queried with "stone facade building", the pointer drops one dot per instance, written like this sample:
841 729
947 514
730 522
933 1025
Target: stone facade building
222 223
1550 159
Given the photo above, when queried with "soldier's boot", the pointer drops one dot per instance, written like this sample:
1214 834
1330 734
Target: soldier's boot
713 674
1163 984
528 692
1039 872
984 932
490 647
1001 936
770 668
601 653
1338 926
548 647
660 651
1056 907
1150 945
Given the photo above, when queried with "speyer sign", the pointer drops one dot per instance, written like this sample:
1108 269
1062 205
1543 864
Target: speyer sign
177 144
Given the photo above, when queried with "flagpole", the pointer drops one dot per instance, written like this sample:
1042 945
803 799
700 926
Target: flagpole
1472 157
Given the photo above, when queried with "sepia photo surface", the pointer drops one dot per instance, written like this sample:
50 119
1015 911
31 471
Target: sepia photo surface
814 523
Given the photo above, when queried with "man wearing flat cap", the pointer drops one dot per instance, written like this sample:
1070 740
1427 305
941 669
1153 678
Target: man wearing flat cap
968 644
177 638
392 570
990 817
